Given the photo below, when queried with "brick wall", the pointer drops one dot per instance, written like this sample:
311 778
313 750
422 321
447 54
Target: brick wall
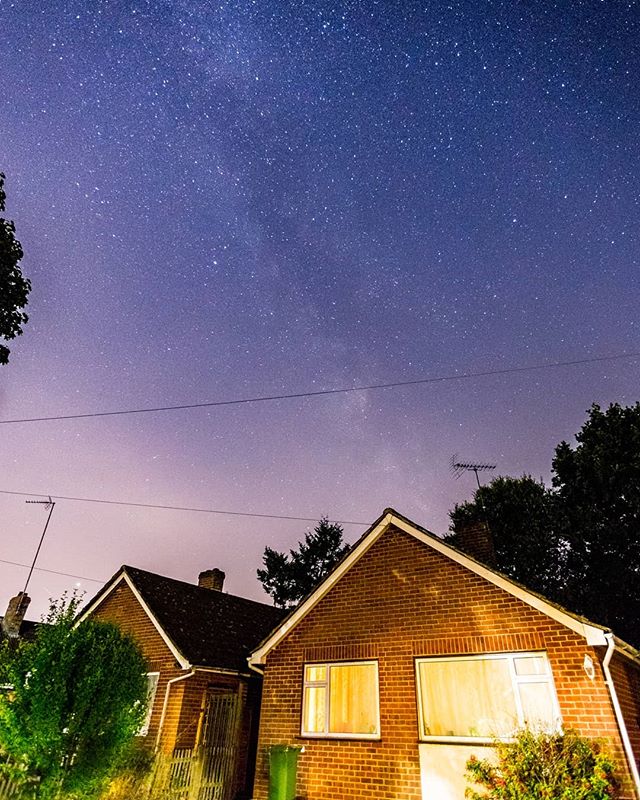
403 600
626 677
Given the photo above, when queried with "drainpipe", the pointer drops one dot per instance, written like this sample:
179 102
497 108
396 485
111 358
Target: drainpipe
166 703
611 646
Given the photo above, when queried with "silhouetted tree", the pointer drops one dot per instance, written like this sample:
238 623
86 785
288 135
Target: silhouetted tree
14 287
521 515
288 578
597 484
579 542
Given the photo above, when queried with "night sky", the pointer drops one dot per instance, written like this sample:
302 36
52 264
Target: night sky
231 199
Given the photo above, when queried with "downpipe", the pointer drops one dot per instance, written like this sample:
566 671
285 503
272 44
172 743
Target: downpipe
611 646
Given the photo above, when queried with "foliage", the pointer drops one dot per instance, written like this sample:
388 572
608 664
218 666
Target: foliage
14 287
520 513
132 781
598 487
288 578
79 697
544 766
578 542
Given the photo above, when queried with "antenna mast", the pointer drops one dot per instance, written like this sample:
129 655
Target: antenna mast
50 505
458 467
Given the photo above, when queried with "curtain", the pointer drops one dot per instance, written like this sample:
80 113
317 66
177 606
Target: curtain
467 697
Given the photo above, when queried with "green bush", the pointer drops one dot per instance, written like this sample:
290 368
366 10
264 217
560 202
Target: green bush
132 781
544 766
78 697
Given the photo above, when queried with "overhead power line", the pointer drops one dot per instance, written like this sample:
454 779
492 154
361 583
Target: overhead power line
176 508
149 505
52 571
325 392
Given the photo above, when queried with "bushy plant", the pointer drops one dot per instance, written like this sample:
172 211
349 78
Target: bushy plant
78 697
544 766
132 783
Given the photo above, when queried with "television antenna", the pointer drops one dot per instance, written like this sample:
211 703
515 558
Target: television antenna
458 467
48 504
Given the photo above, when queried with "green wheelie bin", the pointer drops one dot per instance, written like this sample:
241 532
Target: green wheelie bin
283 766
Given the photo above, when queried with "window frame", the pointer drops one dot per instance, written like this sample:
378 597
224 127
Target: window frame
327 684
153 680
516 681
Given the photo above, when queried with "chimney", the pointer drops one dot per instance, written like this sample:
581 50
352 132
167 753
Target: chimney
475 540
211 579
16 610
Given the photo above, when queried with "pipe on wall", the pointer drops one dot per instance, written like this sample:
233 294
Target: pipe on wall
166 702
611 646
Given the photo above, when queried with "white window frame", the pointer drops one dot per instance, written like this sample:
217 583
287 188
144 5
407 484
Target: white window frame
516 680
327 684
152 689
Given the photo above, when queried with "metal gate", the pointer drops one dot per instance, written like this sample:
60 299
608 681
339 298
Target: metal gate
207 771
219 745
8 789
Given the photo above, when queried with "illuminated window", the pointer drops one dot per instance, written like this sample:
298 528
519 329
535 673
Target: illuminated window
341 700
152 687
483 697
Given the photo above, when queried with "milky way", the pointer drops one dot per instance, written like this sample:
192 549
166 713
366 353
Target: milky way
222 200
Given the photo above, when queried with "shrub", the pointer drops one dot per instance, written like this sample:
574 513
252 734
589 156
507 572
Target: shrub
544 766
132 782
78 697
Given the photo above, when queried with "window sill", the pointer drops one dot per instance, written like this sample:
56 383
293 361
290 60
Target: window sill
479 740
340 737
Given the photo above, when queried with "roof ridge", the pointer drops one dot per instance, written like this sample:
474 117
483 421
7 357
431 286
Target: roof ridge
194 586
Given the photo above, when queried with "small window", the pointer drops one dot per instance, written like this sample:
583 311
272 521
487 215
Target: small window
341 700
471 698
152 688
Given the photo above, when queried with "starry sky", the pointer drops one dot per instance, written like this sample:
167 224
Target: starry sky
229 199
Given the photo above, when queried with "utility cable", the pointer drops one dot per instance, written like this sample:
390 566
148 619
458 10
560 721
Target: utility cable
176 508
326 392
52 571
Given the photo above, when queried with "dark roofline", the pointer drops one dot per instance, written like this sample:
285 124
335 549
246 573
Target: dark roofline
140 582
126 569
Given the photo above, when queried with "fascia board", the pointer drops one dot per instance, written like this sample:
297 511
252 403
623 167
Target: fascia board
221 671
124 577
257 657
593 634
626 650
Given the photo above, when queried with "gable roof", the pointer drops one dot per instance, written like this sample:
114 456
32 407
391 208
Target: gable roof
202 627
592 632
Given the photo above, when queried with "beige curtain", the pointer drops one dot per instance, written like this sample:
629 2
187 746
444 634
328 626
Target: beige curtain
353 699
467 698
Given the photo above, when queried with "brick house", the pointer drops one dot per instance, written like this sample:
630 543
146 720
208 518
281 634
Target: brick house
196 639
411 656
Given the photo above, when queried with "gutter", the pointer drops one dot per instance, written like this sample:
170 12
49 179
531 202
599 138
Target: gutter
193 671
223 671
255 667
166 702
611 646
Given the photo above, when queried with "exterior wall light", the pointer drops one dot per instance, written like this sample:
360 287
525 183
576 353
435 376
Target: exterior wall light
588 667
